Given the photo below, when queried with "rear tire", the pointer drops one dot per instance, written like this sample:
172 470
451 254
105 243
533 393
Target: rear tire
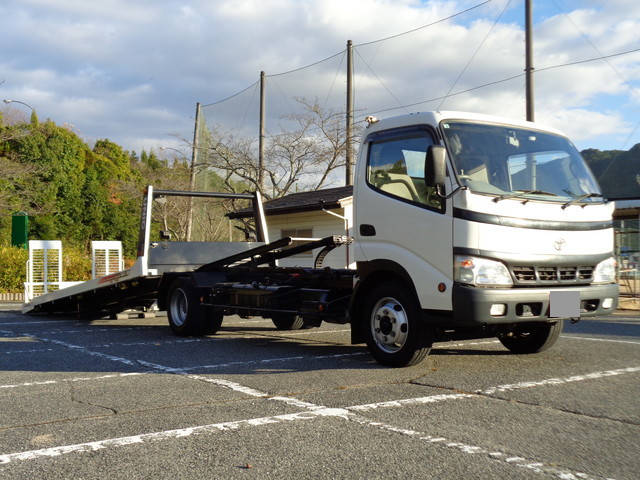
532 337
393 326
187 316
288 321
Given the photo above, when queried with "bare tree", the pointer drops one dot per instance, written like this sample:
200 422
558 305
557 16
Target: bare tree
310 147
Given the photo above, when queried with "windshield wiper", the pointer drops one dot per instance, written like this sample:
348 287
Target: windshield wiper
522 193
581 197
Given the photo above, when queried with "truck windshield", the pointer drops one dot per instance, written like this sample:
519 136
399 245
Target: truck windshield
512 162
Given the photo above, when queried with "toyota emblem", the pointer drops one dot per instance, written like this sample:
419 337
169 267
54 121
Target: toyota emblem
559 244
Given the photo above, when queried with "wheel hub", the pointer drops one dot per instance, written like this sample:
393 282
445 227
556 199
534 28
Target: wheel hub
389 325
179 306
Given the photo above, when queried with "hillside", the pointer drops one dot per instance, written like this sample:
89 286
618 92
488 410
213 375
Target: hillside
618 171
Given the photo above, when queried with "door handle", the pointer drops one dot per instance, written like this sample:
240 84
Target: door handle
367 230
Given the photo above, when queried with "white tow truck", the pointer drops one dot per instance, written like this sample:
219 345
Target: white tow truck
466 226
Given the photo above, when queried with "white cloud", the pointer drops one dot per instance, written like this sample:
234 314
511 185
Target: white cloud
132 71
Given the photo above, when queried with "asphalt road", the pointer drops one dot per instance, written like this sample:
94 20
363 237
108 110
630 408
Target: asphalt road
126 399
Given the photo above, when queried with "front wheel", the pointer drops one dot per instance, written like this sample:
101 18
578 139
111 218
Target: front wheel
533 337
394 330
187 316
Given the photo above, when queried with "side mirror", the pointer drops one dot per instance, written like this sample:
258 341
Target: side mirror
435 168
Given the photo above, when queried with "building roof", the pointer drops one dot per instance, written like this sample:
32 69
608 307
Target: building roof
301 202
627 208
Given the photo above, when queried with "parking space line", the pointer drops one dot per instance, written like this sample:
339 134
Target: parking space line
71 380
33 350
188 369
529 464
491 390
597 339
274 360
169 434
50 322
315 411
314 332
559 381
410 401
311 411
81 349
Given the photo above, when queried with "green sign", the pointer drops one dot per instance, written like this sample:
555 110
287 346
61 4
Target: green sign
19 230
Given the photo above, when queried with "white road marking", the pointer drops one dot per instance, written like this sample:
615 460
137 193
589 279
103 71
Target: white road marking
312 332
188 369
410 401
465 344
491 390
81 349
595 339
168 434
231 323
49 322
34 350
533 465
559 381
70 380
314 411
311 411
274 360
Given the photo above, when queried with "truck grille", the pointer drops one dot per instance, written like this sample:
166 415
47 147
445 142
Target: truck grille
552 274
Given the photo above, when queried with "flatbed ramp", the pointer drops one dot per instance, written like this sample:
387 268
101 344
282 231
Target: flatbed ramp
138 286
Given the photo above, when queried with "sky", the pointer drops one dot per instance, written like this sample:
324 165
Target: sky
133 70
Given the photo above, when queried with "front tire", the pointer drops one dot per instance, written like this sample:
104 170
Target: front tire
533 337
187 316
395 332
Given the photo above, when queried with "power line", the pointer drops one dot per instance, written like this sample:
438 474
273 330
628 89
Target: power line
550 67
308 66
424 26
358 45
378 78
618 54
451 94
476 52
588 40
231 96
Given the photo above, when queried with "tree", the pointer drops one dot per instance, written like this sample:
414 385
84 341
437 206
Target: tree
617 171
302 157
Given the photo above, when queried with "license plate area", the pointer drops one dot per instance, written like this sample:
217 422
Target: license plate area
564 304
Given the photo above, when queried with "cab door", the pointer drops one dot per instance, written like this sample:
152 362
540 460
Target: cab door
398 218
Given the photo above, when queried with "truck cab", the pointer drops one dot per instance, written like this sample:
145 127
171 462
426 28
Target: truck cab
470 226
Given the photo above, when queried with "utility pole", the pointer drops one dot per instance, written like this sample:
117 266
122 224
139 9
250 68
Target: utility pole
349 126
192 171
262 129
529 59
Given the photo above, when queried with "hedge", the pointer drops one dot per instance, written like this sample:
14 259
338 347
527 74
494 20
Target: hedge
13 270
76 265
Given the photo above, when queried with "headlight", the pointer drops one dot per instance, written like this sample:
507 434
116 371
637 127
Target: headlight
605 271
481 272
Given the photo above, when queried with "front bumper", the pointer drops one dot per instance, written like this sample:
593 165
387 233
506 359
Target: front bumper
472 305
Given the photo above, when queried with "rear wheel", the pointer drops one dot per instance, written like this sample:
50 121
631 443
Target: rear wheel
532 337
288 321
187 316
394 330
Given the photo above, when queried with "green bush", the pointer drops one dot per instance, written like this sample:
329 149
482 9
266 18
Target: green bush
76 264
13 269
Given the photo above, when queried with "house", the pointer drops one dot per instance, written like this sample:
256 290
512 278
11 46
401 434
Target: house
315 214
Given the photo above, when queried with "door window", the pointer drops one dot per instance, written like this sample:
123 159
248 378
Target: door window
396 168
